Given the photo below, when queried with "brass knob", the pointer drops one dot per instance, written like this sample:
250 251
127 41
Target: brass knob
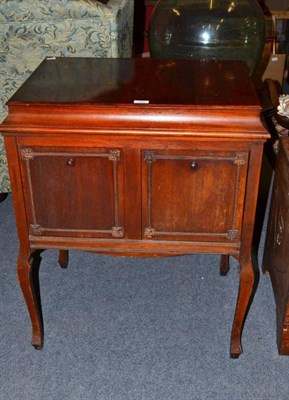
70 162
194 165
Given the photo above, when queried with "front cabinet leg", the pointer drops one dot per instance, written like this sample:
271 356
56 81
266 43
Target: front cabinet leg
247 287
28 276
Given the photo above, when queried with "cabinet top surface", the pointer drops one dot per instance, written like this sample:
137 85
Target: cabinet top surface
135 82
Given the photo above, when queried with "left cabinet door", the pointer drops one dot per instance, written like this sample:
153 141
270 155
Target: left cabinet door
73 192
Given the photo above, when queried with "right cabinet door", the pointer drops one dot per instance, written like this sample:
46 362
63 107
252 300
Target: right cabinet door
193 195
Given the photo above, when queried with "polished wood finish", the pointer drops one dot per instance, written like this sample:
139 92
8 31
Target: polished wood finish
63 258
275 260
136 157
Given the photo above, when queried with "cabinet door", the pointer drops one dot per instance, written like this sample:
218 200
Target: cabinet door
72 192
193 195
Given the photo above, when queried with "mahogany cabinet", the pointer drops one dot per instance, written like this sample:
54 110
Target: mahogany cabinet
135 157
275 259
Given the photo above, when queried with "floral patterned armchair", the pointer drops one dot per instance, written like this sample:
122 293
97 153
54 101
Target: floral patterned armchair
31 30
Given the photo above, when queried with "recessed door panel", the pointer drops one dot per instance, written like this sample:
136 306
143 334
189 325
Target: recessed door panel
193 195
74 193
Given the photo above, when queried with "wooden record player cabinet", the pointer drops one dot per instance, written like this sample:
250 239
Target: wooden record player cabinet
135 157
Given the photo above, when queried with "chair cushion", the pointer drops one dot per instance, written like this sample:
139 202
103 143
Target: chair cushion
47 10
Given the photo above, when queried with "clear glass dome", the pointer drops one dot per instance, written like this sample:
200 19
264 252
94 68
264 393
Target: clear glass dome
208 29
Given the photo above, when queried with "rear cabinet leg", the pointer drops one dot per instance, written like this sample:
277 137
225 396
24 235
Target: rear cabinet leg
63 258
224 264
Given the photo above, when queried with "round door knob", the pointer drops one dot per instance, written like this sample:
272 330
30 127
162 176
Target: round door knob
70 162
194 164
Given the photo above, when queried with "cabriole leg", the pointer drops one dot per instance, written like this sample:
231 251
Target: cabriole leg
28 276
247 286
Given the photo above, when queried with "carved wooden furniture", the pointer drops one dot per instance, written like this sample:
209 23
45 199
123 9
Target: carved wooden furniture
135 157
275 259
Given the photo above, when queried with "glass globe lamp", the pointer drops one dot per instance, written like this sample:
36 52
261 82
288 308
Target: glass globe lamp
208 29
